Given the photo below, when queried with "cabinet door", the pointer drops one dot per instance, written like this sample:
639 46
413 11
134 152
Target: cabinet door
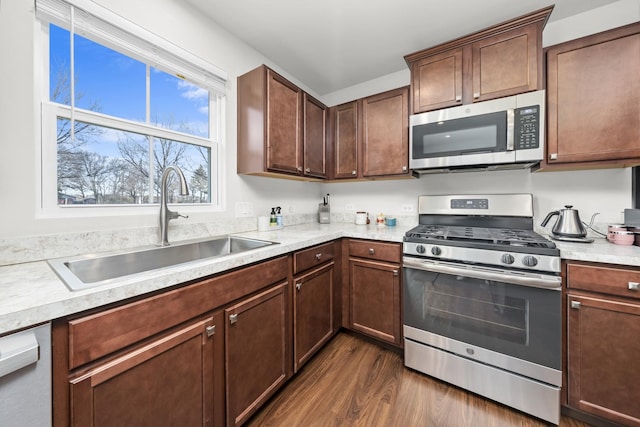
507 64
593 98
346 140
315 138
284 148
312 313
257 351
385 124
602 358
168 381
374 300
437 81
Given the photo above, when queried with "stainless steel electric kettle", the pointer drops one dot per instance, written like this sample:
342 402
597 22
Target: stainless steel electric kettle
568 223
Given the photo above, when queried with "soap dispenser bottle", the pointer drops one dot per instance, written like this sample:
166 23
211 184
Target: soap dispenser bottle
273 221
279 221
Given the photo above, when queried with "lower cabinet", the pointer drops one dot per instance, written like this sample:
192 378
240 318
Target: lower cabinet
167 381
374 290
257 351
603 327
313 296
315 300
162 360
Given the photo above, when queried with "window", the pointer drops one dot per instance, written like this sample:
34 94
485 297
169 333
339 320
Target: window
119 109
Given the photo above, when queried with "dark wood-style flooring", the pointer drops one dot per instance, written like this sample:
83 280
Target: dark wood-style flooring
352 382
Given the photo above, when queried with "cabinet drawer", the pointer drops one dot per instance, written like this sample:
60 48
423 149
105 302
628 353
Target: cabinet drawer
97 335
608 279
305 259
375 250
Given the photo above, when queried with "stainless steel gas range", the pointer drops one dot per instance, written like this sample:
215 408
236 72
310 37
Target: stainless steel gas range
482 300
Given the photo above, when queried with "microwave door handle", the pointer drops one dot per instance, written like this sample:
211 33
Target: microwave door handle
510 129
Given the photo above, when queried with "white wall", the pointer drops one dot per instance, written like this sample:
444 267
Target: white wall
607 192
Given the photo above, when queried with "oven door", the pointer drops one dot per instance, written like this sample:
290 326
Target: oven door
507 319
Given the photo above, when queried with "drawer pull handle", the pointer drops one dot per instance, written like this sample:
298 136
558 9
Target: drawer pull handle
575 304
318 256
299 286
633 286
372 251
211 330
233 318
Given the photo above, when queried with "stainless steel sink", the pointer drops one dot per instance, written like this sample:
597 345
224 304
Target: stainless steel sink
91 270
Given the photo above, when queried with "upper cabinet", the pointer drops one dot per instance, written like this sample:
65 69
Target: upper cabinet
593 101
371 136
503 60
385 133
281 129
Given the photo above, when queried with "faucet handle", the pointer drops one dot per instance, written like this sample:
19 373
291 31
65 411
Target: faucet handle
183 216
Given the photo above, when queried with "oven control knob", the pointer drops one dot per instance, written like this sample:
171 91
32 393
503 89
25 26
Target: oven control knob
420 249
436 251
507 259
530 261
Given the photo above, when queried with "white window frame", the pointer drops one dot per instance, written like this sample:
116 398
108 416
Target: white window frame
138 43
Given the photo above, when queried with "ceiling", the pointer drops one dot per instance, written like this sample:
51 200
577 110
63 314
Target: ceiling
329 45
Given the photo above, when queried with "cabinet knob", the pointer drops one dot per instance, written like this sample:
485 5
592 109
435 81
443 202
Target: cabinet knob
211 330
307 170
395 273
233 318
476 95
354 173
553 156
299 286
633 286
372 251
458 98
404 168
318 256
575 304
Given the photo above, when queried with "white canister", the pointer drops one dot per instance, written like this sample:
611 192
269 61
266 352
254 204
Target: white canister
263 223
361 218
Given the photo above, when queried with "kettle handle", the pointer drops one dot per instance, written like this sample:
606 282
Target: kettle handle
548 217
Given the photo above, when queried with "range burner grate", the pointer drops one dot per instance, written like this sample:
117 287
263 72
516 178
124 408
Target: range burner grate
496 236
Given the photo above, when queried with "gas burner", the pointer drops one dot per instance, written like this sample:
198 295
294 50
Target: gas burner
483 235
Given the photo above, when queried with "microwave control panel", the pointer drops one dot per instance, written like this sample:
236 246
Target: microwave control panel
527 127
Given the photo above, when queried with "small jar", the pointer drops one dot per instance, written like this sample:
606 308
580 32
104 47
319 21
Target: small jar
380 219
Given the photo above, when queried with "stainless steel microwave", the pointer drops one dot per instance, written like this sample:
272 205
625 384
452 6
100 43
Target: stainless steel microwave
504 133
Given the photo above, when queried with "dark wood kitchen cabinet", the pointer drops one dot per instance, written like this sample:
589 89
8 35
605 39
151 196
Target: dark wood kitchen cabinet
345 140
375 290
281 129
593 101
385 133
257 351
371 136
603 326
156 360
166 381
502 60
315 304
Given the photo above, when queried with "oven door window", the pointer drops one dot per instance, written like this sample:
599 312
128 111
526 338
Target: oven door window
485 133
520 321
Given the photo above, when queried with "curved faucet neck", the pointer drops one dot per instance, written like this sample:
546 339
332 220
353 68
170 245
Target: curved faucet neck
165 214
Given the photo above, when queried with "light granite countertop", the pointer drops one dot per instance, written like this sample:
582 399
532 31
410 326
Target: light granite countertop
31 293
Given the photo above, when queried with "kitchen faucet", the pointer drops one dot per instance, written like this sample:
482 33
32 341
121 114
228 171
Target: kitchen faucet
165 214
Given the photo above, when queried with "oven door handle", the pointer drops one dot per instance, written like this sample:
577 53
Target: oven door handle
517 278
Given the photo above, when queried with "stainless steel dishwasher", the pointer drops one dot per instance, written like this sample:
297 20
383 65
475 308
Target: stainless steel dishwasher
25 378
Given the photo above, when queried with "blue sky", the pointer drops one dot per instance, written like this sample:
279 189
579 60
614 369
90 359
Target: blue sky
116 84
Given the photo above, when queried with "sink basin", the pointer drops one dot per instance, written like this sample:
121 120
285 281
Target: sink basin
87 271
